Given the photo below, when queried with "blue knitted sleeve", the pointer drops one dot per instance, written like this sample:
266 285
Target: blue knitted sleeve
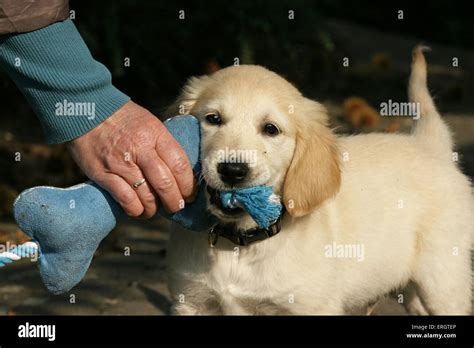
70 92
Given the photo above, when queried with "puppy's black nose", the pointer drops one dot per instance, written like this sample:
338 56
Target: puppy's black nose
233 173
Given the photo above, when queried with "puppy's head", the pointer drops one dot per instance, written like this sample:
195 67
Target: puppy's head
257 129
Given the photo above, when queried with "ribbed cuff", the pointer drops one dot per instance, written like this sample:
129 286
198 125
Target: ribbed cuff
70 92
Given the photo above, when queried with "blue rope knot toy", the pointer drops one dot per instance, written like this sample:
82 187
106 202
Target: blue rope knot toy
259 202
67 235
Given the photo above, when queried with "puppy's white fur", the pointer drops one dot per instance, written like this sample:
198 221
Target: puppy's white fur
401 198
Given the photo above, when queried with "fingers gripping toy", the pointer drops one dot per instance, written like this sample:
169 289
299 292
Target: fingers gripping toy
67 225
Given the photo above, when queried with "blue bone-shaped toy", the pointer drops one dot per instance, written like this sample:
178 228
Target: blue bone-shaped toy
67 225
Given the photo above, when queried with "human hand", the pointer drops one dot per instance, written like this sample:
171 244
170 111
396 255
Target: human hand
130 145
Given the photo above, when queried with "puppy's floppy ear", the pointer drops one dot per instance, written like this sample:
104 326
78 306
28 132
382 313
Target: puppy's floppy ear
188 97
314 173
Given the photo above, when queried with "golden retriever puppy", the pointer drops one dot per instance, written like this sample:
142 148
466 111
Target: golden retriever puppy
365 214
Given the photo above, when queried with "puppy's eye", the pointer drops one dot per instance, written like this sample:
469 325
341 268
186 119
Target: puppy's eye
214 118
271 129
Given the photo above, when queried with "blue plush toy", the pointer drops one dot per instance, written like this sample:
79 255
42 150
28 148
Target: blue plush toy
67 225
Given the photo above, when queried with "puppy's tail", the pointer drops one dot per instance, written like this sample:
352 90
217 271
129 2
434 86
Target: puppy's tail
429 128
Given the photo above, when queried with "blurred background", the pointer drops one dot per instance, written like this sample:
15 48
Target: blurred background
304 41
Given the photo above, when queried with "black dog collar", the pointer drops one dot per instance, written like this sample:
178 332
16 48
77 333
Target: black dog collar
244 237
